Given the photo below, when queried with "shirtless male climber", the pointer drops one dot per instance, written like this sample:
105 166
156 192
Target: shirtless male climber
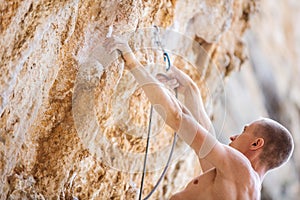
230 172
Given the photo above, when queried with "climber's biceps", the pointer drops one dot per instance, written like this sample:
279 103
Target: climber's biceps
196 136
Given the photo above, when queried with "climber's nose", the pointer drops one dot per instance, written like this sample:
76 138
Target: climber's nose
232 138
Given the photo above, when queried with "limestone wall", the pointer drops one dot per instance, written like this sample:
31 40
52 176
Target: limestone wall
73 123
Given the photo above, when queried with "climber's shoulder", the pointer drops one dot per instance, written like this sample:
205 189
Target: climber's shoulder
226 160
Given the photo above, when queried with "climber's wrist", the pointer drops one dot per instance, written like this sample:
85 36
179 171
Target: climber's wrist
130 60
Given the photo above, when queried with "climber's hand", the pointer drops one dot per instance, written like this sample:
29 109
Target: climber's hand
175 78
119 44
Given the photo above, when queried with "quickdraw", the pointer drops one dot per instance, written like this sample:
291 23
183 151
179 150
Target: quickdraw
168 66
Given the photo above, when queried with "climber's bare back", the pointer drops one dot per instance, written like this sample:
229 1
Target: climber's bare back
241 182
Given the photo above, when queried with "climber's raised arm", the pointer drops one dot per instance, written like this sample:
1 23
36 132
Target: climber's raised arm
176 115
166 105
176 78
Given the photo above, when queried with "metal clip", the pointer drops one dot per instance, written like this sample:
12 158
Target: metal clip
159 44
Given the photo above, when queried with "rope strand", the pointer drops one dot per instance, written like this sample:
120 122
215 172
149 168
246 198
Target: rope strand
146 152
168 66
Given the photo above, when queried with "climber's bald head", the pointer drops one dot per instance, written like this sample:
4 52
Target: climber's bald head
278 142
266 138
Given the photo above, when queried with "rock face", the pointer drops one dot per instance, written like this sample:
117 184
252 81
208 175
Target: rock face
73 123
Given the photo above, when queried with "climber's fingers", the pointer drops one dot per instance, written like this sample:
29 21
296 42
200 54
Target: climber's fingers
163 78
111 45
116 43
173 83
168 81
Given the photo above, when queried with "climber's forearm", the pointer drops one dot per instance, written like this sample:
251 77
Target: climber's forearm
193 101
165 104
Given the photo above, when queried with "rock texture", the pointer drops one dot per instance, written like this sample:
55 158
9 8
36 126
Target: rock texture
73 123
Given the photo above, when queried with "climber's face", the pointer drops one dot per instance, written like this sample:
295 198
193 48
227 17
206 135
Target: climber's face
242 142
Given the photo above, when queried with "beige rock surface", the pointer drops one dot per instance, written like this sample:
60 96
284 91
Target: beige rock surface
72 122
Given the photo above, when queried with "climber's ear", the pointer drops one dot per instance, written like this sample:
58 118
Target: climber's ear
257 144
